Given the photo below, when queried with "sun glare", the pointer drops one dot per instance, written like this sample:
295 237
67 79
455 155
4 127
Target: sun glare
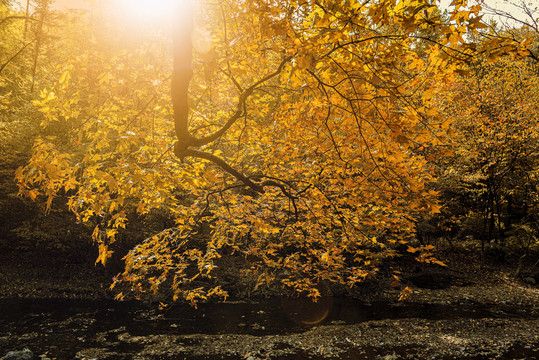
153 10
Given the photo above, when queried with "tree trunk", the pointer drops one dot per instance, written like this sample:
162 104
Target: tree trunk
39 36
27 14
181 76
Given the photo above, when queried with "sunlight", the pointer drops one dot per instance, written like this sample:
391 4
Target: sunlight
153 10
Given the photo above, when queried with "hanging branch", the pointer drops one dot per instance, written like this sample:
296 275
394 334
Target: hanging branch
181 77
14 56
225 166
240 109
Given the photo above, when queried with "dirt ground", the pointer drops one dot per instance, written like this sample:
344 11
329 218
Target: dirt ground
506 327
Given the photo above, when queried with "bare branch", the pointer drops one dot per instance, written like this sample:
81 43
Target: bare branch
14 56
6 19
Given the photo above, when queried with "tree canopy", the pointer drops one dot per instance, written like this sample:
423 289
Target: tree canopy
299 135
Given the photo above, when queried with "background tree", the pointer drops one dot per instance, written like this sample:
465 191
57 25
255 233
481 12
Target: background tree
24 225
489 185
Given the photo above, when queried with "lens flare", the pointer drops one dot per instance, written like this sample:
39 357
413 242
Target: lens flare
304 310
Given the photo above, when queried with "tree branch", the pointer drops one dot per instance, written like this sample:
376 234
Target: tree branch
222 164
239 109
181 77
14 56
16 18
258 187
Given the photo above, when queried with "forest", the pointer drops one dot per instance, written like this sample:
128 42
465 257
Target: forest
186 153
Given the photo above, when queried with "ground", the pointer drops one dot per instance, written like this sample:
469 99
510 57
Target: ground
474 314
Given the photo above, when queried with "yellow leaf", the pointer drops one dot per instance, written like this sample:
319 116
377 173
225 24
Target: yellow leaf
405 293
439 263
71 183
32 194
48 204
112 183
210 175
111 233
104 254
64 77
325 257
412 249
427 95
141 208
305 61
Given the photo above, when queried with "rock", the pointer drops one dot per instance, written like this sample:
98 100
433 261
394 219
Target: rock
25 354
94 354
29 336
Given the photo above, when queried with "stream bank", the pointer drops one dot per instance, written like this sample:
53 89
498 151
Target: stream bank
64 311
85 329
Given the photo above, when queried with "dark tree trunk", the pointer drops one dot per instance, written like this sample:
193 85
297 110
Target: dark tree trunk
181 76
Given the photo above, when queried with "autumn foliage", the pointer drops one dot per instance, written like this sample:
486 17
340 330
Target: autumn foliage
490 181
304 144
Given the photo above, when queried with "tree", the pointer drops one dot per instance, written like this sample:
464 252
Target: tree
517 33
489 185
301 139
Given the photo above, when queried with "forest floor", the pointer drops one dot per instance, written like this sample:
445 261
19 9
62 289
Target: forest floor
475 313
